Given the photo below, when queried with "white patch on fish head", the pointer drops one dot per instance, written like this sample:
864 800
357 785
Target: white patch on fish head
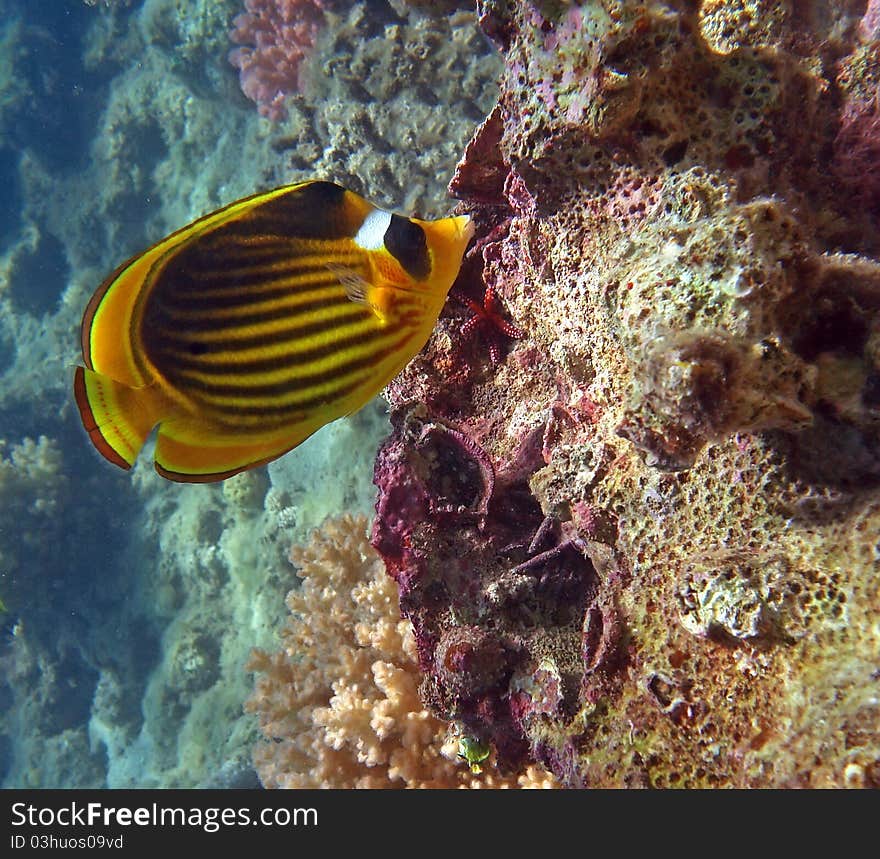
371 235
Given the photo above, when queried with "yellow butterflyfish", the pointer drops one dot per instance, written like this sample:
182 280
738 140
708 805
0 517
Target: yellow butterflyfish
243 333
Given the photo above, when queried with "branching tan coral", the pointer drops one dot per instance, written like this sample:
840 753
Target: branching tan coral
339 704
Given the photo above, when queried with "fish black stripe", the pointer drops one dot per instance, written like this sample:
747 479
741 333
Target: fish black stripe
287 379
233 366
172 322
232 276
250 391
225 242
205 303
277 336
296 409
158 344
315 396
208 277
227 252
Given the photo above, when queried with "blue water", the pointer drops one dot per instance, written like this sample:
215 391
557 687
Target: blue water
63 528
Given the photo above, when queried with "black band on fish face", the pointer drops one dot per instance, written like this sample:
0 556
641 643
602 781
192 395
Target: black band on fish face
407 243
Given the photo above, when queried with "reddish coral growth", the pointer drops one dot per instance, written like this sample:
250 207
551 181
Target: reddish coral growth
486 602
276 36
857 153
480 174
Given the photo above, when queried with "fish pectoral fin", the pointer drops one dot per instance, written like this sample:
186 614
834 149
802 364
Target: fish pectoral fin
361 291
117 417
190 451
356 286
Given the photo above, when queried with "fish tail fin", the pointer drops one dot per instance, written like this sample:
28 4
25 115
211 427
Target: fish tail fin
117 417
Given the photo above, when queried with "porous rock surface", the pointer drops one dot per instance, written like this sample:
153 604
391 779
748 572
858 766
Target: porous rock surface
638 543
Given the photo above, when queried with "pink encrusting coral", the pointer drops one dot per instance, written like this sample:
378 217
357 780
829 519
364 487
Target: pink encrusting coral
275 38
869 26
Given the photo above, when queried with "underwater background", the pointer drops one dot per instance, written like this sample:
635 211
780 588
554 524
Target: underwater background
131 604
617 525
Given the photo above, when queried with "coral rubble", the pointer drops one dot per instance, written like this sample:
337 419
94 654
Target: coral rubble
638 542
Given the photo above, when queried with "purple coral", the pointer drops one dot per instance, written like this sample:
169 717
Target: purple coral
662 203
275 37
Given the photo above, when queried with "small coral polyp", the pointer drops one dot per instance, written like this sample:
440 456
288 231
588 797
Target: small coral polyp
672 581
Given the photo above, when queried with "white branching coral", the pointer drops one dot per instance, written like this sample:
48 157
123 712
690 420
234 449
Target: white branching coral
339 704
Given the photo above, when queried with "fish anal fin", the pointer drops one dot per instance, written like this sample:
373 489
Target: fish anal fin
190 451
117 417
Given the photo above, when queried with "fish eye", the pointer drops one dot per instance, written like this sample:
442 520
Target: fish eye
407 243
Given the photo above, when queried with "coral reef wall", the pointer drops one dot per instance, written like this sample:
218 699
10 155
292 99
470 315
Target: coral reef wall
632 496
